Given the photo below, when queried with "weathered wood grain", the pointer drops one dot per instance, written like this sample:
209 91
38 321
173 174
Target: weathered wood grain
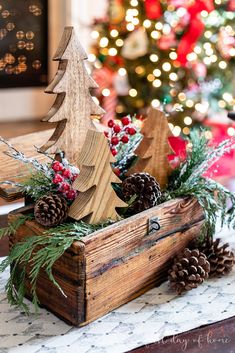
131 235
97 199
69 272
154 148
94 271
108 290
14 170
74 106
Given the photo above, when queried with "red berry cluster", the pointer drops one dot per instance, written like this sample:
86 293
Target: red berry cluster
63 179
120 133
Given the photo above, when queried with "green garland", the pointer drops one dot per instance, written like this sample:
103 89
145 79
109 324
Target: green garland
40 252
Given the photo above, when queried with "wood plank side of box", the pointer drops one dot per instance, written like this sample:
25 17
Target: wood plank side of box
117 264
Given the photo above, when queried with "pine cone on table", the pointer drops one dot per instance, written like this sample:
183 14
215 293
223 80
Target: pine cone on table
145 188
220 257
51 210
190 269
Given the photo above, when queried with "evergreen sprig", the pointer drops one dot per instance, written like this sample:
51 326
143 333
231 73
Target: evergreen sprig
188 180
41 252
37 185
14 225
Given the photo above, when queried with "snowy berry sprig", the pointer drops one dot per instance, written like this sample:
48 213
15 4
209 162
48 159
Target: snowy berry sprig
63 178
120 133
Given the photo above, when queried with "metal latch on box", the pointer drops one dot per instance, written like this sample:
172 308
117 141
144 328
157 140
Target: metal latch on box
153 225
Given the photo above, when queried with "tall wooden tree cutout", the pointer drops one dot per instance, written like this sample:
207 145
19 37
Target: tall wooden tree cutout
74 105
154 147
97 201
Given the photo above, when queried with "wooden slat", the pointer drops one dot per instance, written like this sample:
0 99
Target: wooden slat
69 272
16 171
134 275
96 270
119 240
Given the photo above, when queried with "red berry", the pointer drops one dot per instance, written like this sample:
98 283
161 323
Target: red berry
117 171
71 195
131 131
114 140
74 177
106 133
110 123
57 166
66 173
64 187
58 179
114 151
117 128
125 139
126 120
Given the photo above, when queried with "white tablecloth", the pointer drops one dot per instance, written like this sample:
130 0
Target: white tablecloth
149 318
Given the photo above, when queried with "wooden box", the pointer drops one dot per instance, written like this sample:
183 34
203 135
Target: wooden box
117 264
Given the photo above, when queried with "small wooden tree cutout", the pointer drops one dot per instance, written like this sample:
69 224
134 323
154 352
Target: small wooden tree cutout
74 105
154 148
96 200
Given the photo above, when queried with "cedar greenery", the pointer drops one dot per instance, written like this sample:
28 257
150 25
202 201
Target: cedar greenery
188 180
41 252
14 225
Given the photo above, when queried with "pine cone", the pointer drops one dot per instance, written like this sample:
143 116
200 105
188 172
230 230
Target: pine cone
145 188
51 210
190 269
220 257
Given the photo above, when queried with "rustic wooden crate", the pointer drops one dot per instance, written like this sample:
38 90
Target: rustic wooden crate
117 264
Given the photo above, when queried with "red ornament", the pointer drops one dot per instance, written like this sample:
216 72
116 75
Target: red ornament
114 140
126 121
58 179
117 128
66 173
114 151
57 166
125 139
110 123
153 9
131 131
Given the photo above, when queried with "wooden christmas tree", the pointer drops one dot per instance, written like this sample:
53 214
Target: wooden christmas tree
96 200
74 105
154 148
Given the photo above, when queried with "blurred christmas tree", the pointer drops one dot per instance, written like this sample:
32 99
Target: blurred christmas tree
166 52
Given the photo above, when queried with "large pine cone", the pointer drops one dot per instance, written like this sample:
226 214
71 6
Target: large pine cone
51 210
190 269
220 257
145 188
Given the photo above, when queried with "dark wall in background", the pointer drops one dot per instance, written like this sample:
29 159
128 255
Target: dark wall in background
23 43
